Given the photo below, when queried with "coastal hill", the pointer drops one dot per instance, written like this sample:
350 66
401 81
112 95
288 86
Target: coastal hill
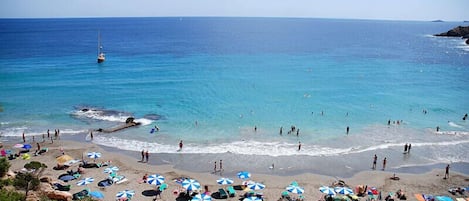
460 31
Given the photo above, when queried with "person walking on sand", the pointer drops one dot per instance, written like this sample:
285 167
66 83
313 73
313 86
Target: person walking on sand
147 155
405 148
180 145
446 172
375 158
384 163
215 167
299 146
221 165
91 135
43 137
143 155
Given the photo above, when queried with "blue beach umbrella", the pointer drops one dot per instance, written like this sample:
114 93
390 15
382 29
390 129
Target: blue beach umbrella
343 190
190 184
27 146
111 169
202 197
295 189
224 181
244 175
256 186
125 194
327 190
155 179
85 181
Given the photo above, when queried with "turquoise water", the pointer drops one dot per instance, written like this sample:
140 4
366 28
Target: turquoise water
210 81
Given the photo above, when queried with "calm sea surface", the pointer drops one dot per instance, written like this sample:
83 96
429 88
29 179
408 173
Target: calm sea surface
211 81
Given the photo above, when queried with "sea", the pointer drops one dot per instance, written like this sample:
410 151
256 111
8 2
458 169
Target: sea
225 87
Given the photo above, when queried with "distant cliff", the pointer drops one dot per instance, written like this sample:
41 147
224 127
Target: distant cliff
459 31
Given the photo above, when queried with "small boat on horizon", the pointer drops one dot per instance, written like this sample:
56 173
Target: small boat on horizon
101 56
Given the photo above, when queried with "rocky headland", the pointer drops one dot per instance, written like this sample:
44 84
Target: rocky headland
460 31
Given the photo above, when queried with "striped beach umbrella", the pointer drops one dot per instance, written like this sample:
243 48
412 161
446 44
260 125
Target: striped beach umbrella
327 190
202 197
111 169
155 179
256 186
252 198
224 181
94 155
343 190
125 194
85 181
295 189
244 175
190 184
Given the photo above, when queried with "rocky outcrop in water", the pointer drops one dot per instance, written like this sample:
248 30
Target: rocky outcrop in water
460 31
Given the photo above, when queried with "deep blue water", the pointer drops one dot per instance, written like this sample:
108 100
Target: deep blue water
210 81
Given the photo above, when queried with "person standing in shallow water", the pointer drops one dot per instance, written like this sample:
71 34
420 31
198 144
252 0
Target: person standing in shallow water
348 130
384 163
180 145
299 146
375 158
147 155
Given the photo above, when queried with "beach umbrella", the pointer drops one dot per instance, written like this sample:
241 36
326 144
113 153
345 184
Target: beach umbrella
18 146
63 159
343 190
111 169
256 186
155 179
224 181
295 189
190 184
327 190
252 198
97 194
66 177
94 155
27 146
85 181
244 175
125 194
202 197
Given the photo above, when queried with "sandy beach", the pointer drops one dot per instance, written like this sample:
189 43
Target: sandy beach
430 182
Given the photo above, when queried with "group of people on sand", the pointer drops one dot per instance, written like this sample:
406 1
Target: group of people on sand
145 156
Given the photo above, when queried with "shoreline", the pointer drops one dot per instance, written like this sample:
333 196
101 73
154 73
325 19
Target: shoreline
429 182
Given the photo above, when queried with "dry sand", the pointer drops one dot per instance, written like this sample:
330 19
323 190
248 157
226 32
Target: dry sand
429 183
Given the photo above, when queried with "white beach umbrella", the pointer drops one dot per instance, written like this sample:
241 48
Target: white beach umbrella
295 189
202 197
190 184
256 186
85 181
327 190
224 181
244 175
111 169
343 190
155 179
125 194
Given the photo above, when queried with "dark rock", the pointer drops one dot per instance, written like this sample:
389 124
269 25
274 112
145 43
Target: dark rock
467 42
456 32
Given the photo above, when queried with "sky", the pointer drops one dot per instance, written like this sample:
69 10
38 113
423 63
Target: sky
421 10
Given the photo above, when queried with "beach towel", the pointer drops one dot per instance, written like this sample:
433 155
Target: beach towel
231 191
419 197
443 198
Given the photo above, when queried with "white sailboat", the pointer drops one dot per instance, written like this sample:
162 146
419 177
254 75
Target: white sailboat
101 56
